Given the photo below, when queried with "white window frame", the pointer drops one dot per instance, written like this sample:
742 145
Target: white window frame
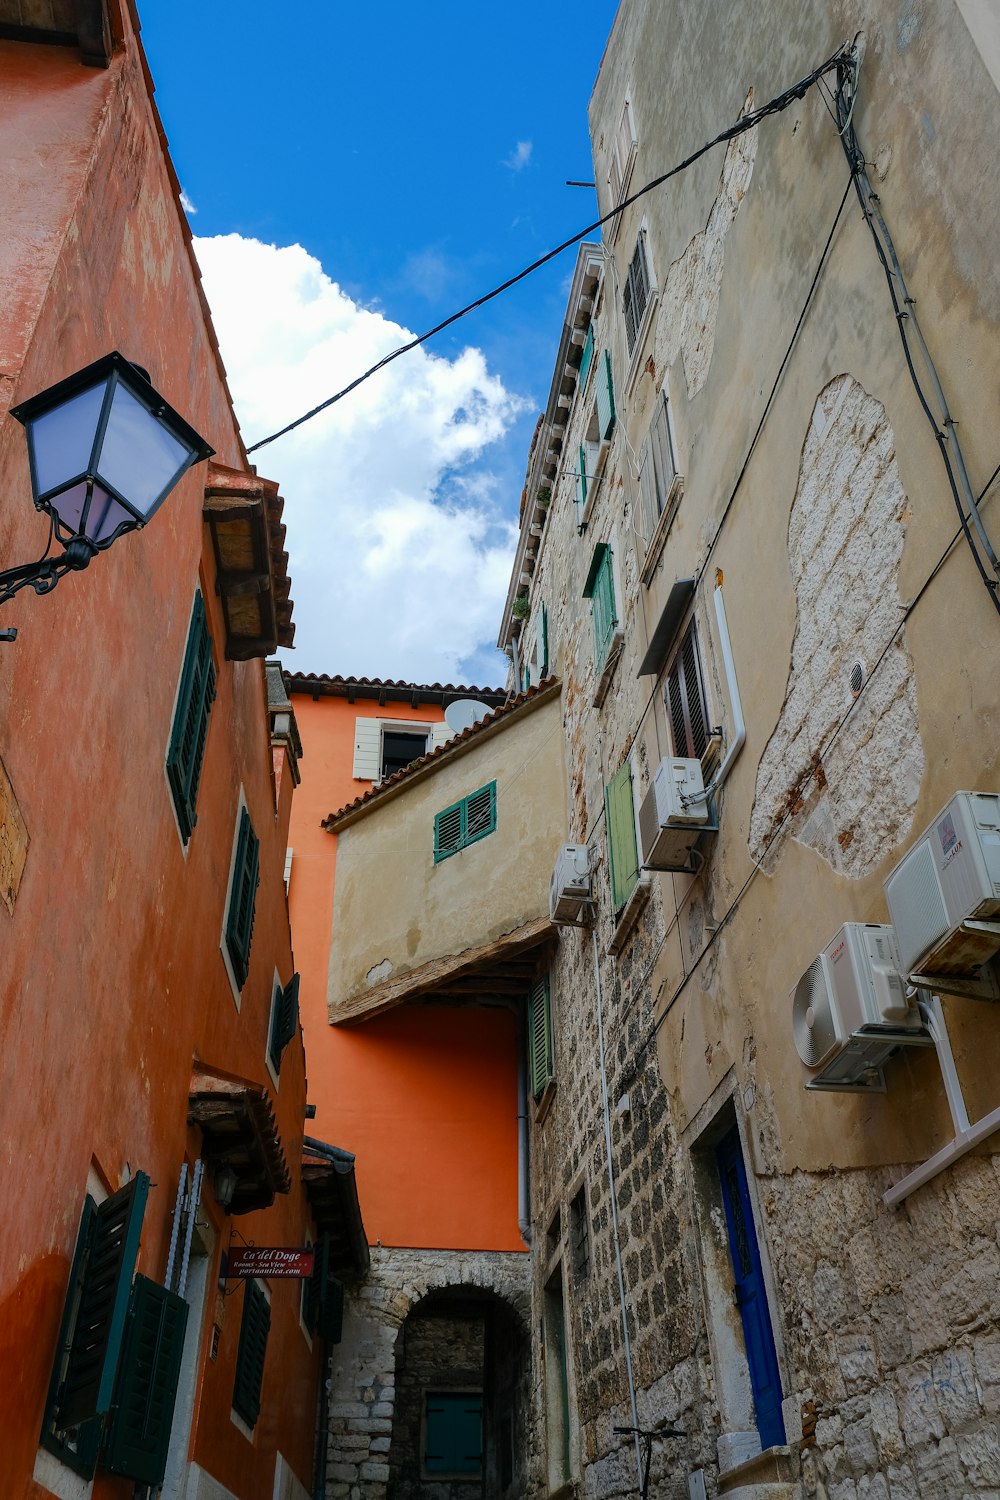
369 738
661 484
633 351
621 160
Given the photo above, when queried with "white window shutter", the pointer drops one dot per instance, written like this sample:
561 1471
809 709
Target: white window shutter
367 738
440 735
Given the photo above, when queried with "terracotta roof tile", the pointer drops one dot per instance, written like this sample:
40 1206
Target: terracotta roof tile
398 777
304 681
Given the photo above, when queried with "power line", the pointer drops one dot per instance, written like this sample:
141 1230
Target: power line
745 122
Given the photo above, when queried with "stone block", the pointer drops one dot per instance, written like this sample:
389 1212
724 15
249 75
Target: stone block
980 1455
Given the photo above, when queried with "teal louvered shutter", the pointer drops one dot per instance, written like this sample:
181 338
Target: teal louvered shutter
254 1329
311 1288
600 590
542 642
448 831
481 813
139 1431
92 1360
581 478
242 898
284 1020
330 1319
453 1432
624 856
587 356
77 1448
540 1060
190 727
605 398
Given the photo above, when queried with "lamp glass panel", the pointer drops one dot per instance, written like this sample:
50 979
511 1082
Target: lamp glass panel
104 517
139 457
62 439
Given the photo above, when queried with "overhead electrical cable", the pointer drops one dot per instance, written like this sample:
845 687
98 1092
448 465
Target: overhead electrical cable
739 127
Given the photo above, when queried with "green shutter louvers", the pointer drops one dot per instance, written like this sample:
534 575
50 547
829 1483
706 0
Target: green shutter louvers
587 356
242 898
581 478
620 819
465 822
190 727
284 1020
540 1058
254 1329
77 1449
600 590
605 398
139 1434
324 1299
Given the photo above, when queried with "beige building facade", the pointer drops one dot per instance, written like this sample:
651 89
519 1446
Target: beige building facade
755 542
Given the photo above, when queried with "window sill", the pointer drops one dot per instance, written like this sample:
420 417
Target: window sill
661 530
544 1101
630 914
608 670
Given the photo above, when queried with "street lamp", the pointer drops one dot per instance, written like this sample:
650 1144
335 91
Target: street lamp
105 451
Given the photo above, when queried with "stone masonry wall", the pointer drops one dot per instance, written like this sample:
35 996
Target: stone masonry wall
363 1365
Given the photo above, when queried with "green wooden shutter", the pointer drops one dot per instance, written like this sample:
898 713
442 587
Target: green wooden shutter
542 642
242 898
453 1433
190 727
600 590
448 831
139 1433
540 1060
605 398
88 1385
481 813
587 356
77 1448
581 478
622 850
284 1019
250 1356
323 1302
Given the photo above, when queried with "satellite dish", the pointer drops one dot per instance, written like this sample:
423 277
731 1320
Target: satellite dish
463 713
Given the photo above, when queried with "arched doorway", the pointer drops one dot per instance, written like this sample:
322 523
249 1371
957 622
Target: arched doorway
459 1429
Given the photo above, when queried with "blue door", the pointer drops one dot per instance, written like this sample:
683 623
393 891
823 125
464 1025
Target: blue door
751 1297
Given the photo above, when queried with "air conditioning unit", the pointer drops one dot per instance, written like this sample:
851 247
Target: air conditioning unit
944 896
571 887
850 1010
670 825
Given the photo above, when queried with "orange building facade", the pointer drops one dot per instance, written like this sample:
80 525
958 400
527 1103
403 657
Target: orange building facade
426 1094
153 1099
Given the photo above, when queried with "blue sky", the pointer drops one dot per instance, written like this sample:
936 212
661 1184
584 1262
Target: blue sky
416 156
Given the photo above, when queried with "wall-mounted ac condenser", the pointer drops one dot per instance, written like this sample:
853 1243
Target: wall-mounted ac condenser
571 886
949 881
850 1010
672 814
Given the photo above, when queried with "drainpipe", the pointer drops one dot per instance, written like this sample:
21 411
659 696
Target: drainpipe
614 1206
523 1193
736 744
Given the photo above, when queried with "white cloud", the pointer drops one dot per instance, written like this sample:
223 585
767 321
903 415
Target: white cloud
519 157
186 204
399 549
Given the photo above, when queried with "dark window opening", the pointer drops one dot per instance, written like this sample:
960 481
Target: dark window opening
400 750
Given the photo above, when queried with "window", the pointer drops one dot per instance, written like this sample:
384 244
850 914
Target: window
623 149
579 1237
635 294
600 590
400 748
284 1020
605 400
243 898
465 822
684 696
657 468
586 358
254 1329
541 1066
453 1432
622 851
323 1296
119 1349
195 696
536 665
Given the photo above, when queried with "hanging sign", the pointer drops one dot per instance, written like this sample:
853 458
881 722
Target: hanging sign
269 1262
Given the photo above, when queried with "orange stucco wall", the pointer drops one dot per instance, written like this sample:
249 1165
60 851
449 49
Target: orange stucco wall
426 1096
112 980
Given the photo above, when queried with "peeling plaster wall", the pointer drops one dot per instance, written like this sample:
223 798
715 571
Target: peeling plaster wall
845 544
